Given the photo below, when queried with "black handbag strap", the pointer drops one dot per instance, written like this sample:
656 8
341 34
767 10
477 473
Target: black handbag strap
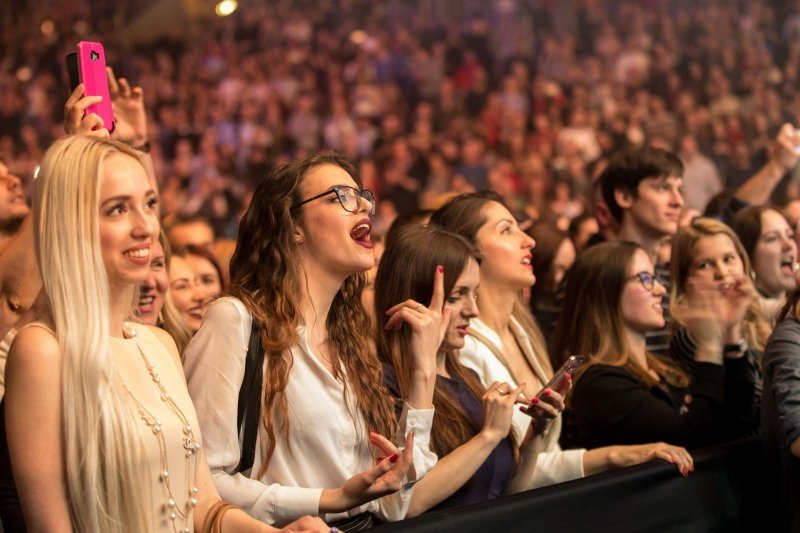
250 394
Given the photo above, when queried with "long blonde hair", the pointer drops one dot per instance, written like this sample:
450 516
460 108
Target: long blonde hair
103 453
755 328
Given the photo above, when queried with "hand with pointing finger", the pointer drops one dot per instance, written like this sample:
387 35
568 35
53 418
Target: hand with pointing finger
428 324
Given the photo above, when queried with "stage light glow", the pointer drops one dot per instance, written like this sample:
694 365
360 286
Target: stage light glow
226 7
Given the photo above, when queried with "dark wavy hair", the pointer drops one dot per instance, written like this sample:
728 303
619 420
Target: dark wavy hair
266 275
406 271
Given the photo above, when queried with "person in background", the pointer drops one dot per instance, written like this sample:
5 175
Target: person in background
780 411
155 303
769 242
195 280
192 230
554 256
506 345
709 252
625 394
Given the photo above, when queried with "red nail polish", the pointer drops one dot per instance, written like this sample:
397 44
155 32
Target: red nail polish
547 392
691 469
535 401
440 269
523 409
394 458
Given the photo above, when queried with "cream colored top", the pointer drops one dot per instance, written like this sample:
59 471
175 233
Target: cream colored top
135 375
554 464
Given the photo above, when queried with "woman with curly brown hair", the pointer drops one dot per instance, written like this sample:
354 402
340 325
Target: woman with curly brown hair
296 281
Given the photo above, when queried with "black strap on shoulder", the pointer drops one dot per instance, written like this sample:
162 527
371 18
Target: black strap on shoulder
249 410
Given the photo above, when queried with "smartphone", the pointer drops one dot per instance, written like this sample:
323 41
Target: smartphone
558 383
91 63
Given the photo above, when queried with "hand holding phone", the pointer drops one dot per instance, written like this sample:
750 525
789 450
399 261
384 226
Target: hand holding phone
560 383
90 64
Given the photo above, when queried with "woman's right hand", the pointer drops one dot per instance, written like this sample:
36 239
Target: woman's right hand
76 122
386 477
699 312
498 406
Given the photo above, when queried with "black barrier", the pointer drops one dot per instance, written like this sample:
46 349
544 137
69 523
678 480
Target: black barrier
727 492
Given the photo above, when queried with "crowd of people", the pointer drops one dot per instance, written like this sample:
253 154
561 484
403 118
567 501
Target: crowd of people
321 260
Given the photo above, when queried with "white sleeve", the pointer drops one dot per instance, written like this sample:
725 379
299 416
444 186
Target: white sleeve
395 506
214 363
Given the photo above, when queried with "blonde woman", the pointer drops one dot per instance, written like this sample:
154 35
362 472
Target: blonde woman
707 254
101 433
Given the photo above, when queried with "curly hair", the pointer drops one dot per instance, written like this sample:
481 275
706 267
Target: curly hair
266 275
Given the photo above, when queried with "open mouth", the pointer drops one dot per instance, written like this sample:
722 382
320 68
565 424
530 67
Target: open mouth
146 302
788 266
526 261
361 233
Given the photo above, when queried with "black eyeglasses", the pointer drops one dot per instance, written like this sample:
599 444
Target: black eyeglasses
647 280
349 198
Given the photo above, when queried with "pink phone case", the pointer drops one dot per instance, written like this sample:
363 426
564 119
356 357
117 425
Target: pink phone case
92 72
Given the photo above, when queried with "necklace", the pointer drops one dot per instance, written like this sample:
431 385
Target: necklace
188 440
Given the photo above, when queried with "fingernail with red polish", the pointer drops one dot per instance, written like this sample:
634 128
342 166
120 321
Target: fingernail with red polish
440 269
394 458
547 392
535 401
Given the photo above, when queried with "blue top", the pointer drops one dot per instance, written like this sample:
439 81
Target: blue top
496 471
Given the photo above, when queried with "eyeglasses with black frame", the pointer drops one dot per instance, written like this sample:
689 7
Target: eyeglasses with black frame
647 280
349 198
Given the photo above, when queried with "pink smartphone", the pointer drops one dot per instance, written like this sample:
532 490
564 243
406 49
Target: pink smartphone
558 383
92 73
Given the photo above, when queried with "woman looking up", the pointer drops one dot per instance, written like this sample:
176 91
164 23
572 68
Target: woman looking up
296 280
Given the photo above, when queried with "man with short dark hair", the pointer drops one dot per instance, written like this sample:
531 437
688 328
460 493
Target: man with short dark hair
642 189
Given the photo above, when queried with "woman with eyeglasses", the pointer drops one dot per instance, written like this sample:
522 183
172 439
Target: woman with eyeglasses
322 408
623 394
708 256
505 344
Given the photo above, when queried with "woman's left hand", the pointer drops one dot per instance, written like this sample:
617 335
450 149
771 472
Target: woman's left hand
129 112
428 324
622 456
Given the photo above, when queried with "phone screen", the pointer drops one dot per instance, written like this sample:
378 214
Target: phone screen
72 70
558 382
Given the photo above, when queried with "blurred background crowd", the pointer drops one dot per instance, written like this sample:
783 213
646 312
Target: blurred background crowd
429 97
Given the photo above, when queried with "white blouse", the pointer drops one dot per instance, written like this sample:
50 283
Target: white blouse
554 464
323 448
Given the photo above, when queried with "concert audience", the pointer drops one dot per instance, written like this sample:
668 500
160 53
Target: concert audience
479 458
505 343
613 288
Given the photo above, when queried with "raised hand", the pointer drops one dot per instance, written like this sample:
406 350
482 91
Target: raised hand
428 324
784 152
76 121
129 111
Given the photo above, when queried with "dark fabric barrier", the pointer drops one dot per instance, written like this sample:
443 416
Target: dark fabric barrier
727 492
